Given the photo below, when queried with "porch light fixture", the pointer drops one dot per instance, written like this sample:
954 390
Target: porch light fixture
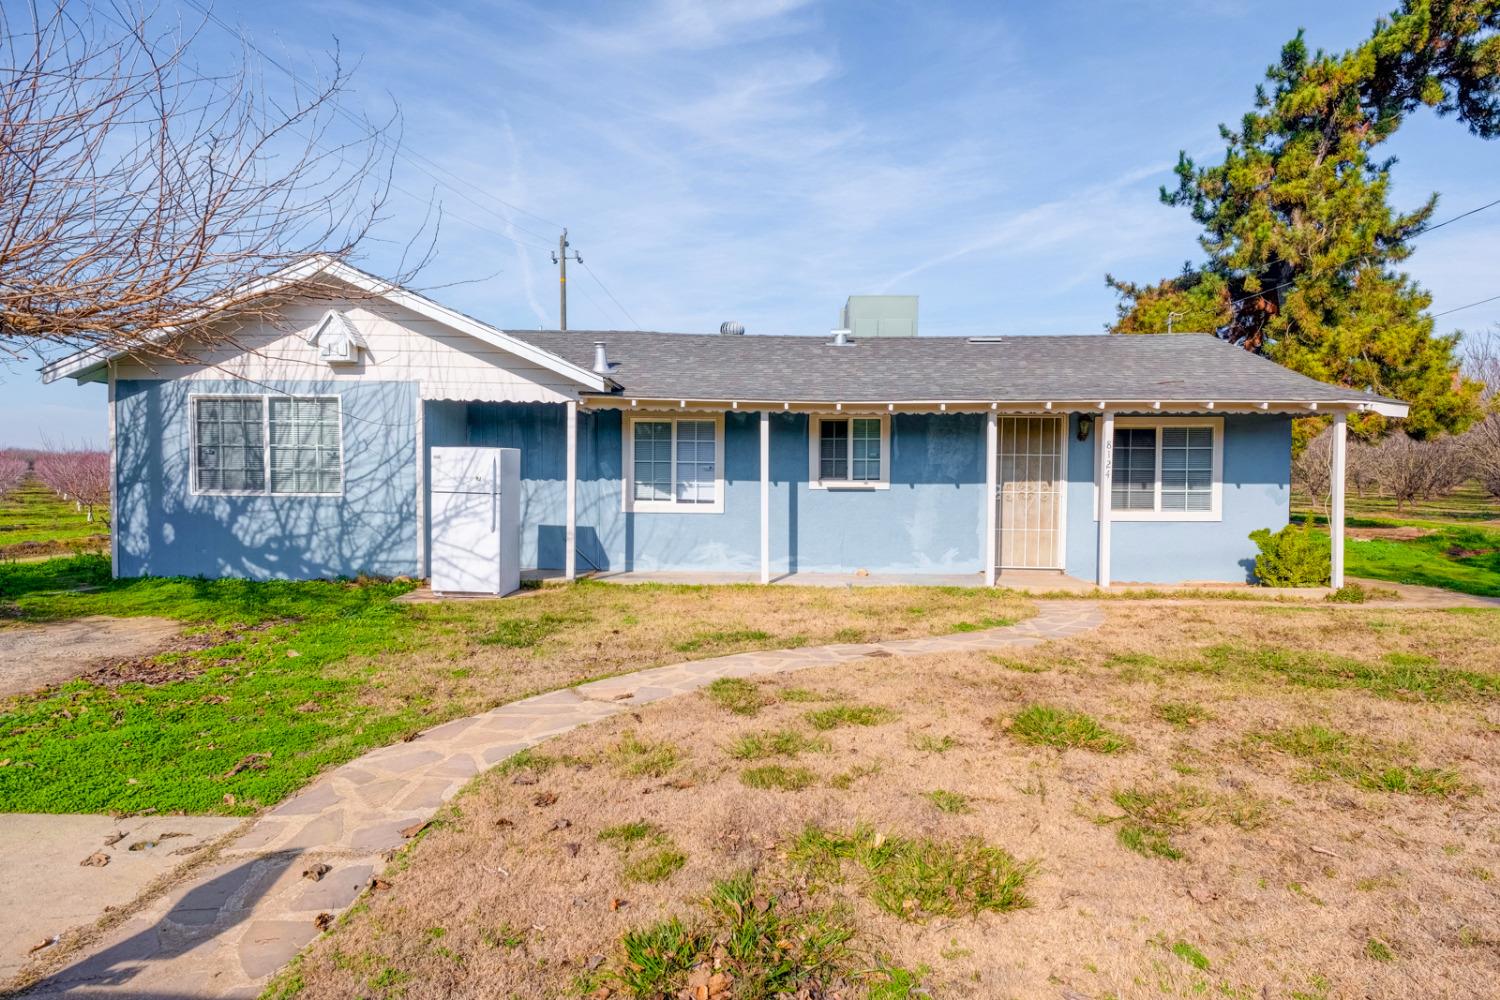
1085 426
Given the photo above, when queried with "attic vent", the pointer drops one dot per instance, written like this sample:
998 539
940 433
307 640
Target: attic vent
841 339
986 340
732 329
337 339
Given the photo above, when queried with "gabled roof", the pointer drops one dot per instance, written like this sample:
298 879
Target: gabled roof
85 363
1179 368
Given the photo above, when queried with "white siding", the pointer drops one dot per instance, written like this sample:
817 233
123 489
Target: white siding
403 346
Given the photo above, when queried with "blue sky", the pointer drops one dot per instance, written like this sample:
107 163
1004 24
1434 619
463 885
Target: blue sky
760 160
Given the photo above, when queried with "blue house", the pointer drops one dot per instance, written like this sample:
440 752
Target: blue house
294 444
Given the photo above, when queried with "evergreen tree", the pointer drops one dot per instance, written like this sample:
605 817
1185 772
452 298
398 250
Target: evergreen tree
1303 248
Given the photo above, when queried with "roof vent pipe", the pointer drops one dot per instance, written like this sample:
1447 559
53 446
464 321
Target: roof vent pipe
841 339
602 364
732 329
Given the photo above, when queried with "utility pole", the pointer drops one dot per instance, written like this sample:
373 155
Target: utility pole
560 258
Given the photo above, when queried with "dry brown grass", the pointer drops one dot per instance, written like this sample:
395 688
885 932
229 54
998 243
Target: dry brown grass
469 656
1306 889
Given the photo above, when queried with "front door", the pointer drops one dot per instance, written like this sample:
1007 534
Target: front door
1029 490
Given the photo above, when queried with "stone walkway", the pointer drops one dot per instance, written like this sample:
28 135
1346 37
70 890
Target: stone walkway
227 931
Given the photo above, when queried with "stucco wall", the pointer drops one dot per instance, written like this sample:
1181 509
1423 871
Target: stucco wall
930 520
1256 494
164 530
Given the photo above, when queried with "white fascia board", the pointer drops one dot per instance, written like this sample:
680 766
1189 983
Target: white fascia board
81 364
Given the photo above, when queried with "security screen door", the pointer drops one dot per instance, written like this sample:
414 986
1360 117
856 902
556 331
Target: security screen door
1029 468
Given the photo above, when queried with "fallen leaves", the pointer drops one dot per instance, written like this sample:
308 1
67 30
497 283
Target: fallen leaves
115 838
250 762
543 799
96 860
323 921
316 872
411 831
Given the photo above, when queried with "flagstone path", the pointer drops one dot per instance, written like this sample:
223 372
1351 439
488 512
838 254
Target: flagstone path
231 927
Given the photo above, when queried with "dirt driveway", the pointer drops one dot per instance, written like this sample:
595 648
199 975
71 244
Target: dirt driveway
33 656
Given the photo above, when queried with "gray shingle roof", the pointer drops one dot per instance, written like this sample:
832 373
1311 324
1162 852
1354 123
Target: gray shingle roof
1014 369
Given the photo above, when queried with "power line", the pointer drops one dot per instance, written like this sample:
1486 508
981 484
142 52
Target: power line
410 157
1471 305
611 295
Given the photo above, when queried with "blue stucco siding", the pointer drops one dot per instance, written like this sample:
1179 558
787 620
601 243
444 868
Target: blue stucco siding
930 520
1256 494
163 529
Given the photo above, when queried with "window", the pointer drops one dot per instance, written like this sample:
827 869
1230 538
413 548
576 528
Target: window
849 453
253 445
1167 469
230 445
674 464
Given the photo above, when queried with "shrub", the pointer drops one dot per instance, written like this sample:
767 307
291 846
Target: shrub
1292 557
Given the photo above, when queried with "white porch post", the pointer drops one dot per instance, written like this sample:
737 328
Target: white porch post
991 493
1104 457
114 483
570 539
765 496
1336 498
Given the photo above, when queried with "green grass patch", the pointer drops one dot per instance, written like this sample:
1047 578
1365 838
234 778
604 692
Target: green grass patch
1047 725
718 639
778 777
1154 814
764 946
1191 955
523 632
737 695
656 866
627 835
1397 675
987 622
838 716
1378 951
802 695
928 743
775 743
633 757
916 879
1461 558
246 724
1366 763
948 802
1182 714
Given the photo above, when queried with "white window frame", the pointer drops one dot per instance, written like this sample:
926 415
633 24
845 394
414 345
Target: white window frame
630 504
1215 511
815 478
265 430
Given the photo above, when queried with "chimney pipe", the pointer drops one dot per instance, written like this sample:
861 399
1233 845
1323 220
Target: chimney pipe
602 364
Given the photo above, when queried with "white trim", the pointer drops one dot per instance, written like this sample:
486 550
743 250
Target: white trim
79 364
629 504
1037 408
992 491
1336 499
1104 465
114 484
265 419
423 570
815 480
765 496
1215 511
570 531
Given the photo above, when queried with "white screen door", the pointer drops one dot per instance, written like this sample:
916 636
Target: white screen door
1029 468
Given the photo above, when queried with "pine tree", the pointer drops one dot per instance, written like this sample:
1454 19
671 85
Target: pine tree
1303 247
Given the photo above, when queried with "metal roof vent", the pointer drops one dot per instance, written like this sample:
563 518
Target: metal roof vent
841 339
986 340
732 329
602 364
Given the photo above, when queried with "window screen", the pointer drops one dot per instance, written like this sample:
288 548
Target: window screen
305 454
653 460
866 455
228 436
833 449
1134 485
1187 468
695 461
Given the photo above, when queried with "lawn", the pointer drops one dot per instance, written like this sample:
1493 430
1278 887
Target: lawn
34 521
1205 799
1452 542
273 682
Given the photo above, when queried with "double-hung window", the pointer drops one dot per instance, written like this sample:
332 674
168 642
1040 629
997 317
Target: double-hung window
849 452
675 464
256 445
1167 469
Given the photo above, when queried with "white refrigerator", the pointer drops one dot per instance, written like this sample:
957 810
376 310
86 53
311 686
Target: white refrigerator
476 520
